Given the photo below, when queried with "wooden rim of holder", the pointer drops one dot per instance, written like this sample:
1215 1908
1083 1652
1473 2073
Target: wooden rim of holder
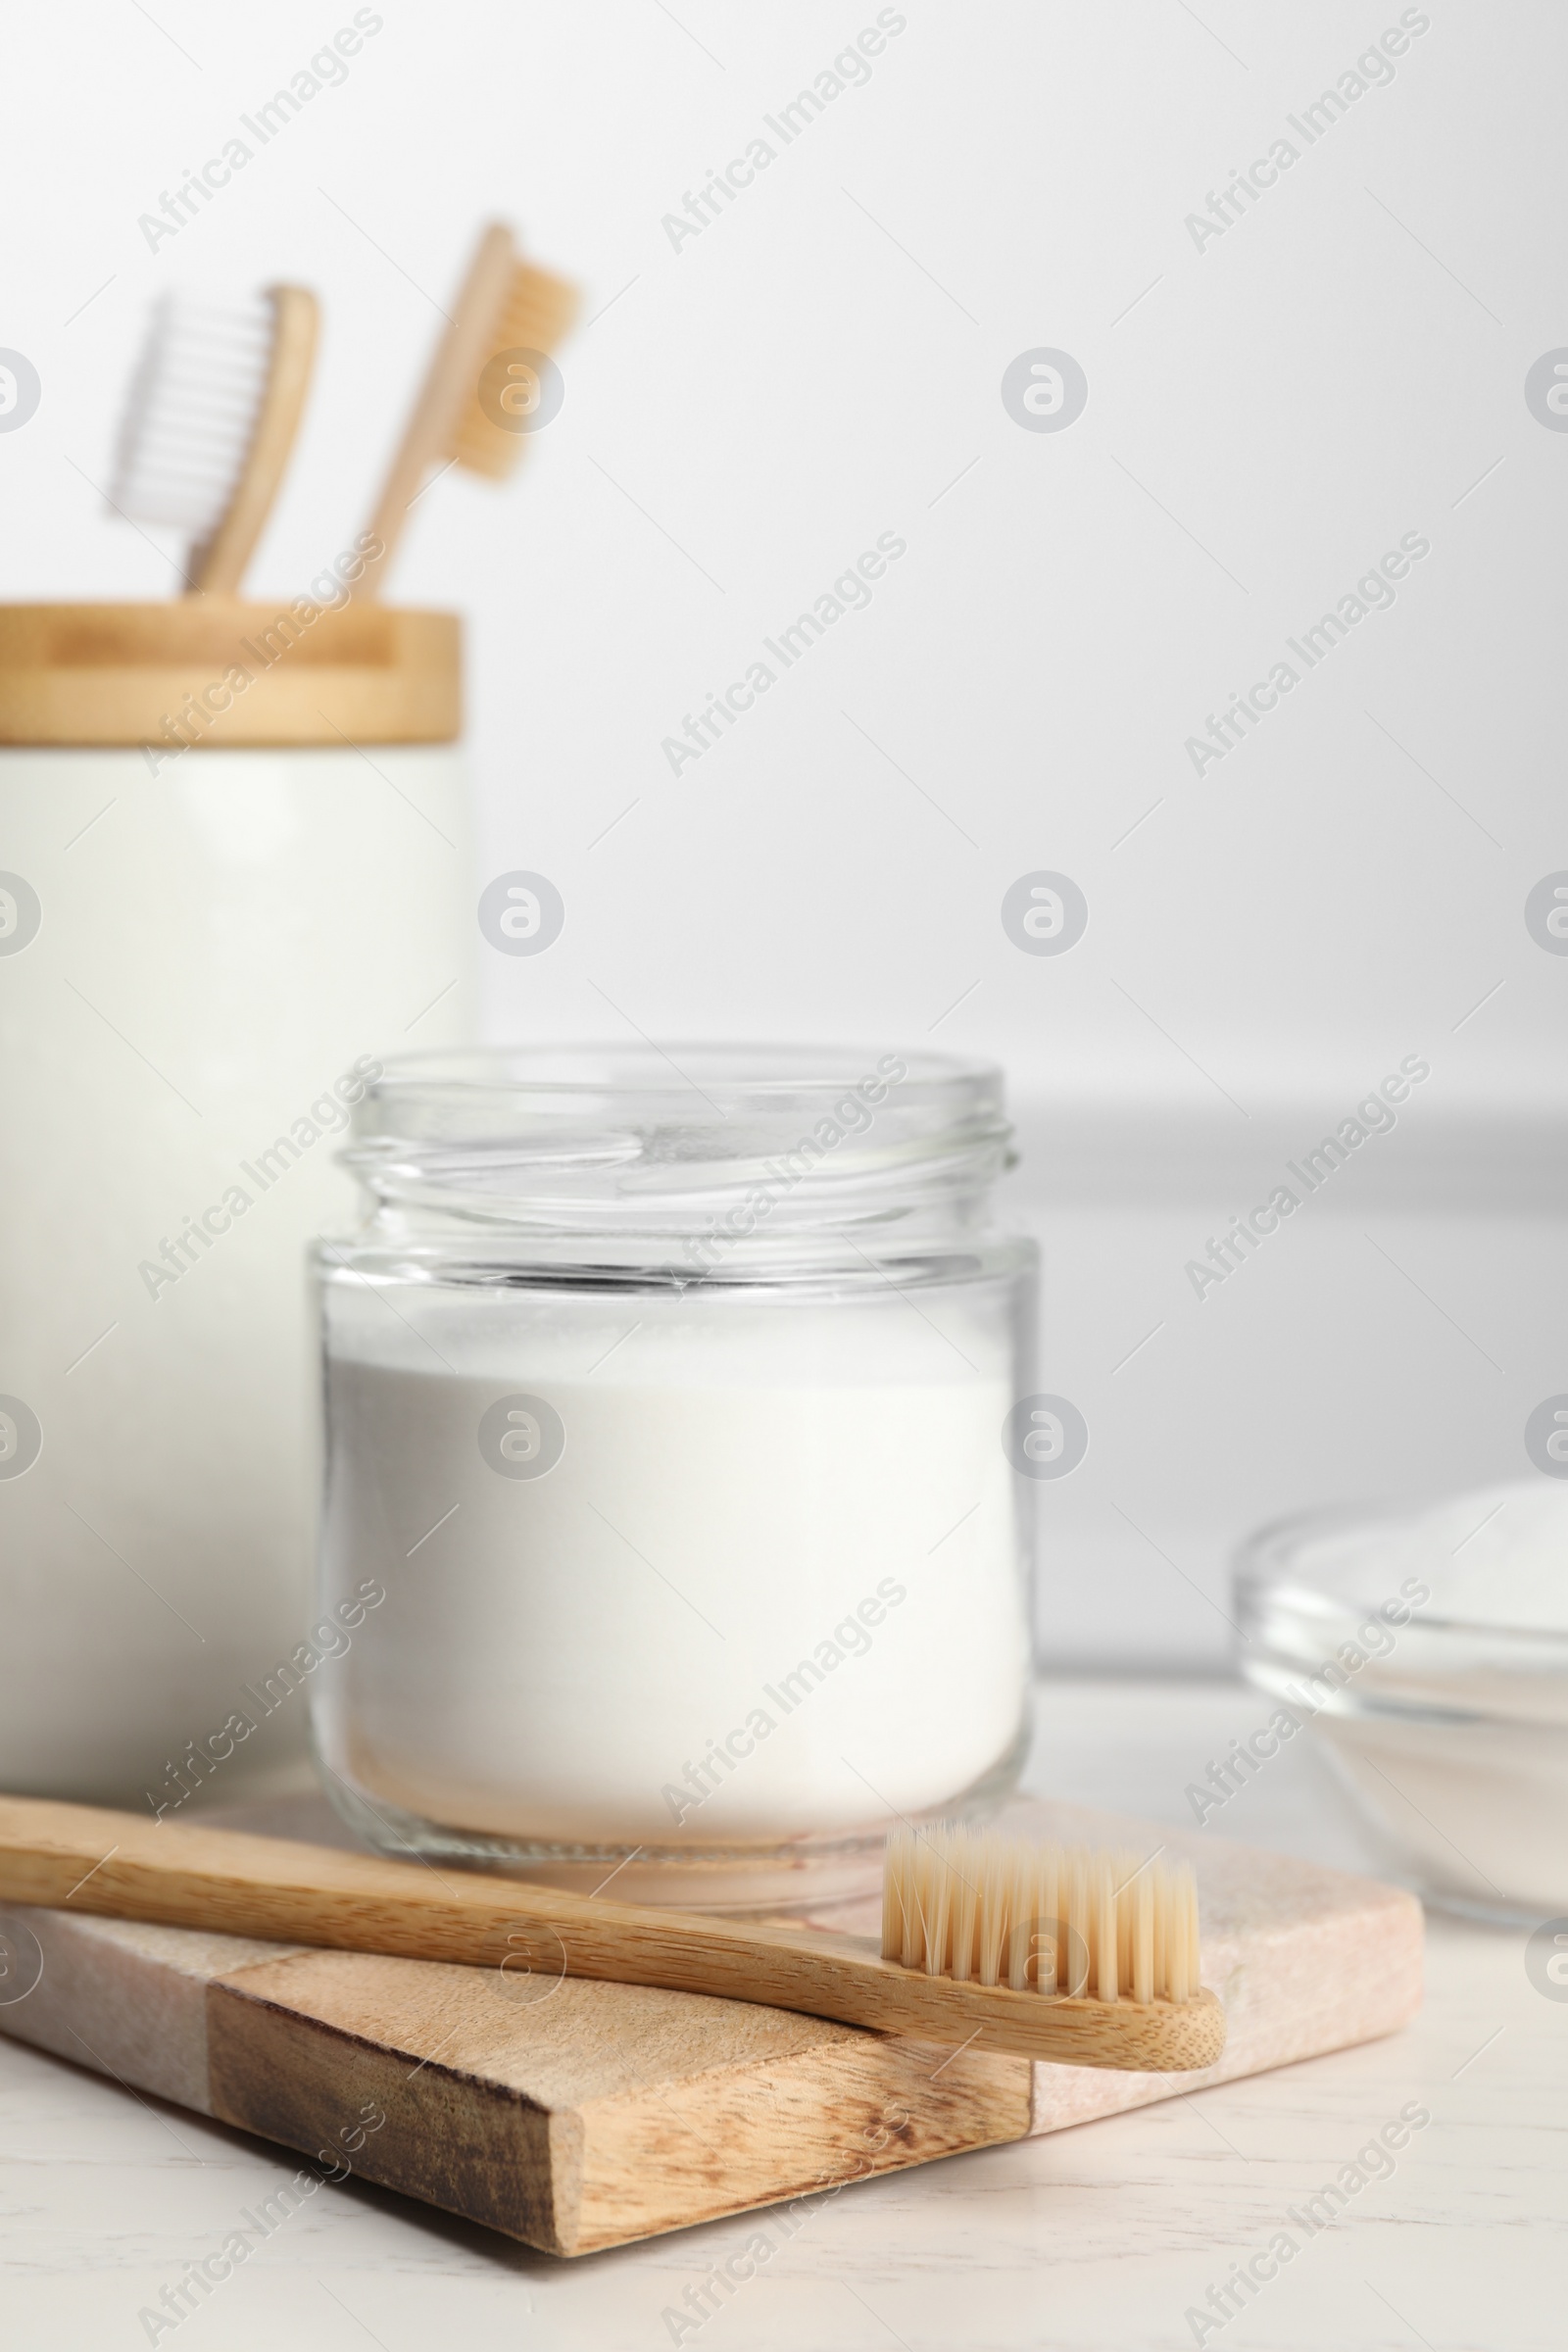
220 672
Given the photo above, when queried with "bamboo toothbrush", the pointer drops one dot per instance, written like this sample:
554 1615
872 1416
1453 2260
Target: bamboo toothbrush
1086 1959
213 412
505 306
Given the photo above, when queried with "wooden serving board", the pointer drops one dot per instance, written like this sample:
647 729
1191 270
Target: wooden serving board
576 2115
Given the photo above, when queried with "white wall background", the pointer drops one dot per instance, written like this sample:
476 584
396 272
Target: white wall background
822 364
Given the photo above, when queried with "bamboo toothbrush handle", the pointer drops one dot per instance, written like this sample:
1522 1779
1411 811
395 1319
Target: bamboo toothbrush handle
75 1857
219 567
448 385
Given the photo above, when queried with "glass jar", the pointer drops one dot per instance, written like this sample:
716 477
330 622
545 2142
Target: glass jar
668 1515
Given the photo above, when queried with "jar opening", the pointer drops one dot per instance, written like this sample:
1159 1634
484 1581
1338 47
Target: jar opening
713 1141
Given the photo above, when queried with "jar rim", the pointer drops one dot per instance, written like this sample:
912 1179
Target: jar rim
673 1138
706 1070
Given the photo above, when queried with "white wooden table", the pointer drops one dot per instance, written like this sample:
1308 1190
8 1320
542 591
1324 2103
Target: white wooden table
1106 2235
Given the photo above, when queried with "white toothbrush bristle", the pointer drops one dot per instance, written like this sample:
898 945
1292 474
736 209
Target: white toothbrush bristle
1055 1920
191 410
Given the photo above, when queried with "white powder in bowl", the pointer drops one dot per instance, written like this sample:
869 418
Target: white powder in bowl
1495 1557
1451 1727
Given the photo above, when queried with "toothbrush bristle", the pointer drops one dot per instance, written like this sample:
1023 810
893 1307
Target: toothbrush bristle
191 410
535 316
1057 1919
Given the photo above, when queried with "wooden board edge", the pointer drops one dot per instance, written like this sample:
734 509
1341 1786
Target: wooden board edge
470 2146
571 2182
874 2105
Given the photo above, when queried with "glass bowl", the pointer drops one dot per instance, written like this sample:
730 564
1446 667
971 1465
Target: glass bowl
1401 1643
